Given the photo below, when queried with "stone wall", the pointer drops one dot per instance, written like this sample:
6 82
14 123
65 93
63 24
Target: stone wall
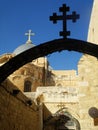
88 72
16 111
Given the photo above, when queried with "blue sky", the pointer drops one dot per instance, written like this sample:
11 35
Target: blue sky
18 16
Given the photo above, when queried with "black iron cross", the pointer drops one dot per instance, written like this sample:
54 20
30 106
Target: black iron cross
64 17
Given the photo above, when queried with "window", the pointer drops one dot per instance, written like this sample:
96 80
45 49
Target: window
27 86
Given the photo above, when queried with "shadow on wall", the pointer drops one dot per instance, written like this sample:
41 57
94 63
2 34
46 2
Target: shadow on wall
16 108
48 123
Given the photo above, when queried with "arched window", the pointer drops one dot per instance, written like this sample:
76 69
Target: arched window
27 86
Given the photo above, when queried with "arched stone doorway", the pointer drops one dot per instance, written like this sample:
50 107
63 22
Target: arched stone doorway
66 122
62 120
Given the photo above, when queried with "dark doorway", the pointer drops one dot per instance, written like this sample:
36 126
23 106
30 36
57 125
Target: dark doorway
61 120
65 123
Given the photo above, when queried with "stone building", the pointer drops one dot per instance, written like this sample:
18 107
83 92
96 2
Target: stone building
40 98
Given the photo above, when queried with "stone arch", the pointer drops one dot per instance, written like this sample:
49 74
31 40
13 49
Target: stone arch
45 49
62 119
74 113
67 122
71 115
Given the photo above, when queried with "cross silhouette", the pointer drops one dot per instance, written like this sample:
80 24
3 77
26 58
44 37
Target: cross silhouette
29 34
64 17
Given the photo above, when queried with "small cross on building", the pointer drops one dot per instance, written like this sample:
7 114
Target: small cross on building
64 17
61 105
29 34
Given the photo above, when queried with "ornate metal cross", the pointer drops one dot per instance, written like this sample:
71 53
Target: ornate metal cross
64 17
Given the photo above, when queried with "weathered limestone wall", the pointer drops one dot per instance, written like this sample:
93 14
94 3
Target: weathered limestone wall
28 72
15 112
35 72
88 71
93 26
88 99
65 77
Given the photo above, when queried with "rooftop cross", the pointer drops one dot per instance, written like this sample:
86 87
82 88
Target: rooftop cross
64 17
29 34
